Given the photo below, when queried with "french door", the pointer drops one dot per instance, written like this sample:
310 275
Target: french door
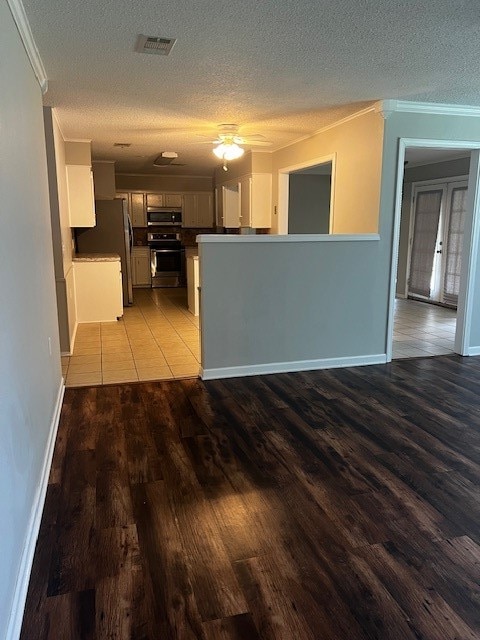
436 242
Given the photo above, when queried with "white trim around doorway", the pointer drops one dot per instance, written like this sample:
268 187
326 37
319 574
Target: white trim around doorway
472 230
283 189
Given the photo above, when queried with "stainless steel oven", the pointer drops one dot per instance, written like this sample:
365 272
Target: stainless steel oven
167 259
164 216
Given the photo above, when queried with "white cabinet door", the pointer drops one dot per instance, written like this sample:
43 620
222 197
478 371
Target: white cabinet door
155 200
172 200
204 210
81 197
141 267
245 194
219 207
189 214
137 210
261 201
231 206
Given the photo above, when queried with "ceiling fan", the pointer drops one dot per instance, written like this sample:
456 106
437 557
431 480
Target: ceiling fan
230 142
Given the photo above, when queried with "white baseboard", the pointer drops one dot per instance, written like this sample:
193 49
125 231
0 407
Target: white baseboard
23 578
287 367
473 351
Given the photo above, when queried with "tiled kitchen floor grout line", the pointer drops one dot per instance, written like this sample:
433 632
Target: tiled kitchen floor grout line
422 329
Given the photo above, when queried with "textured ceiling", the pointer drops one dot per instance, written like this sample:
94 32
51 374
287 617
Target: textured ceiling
282 68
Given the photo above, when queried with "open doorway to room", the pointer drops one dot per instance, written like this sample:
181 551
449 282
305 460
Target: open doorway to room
309 195
306 197
432 223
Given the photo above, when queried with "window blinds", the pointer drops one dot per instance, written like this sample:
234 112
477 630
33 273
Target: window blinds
427 216
454 242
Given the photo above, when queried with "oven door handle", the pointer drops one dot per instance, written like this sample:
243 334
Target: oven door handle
166 250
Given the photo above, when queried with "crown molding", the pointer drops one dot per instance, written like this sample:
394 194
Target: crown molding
20 17
429 108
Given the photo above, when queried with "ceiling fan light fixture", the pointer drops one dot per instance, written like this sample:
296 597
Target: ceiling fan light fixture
228 151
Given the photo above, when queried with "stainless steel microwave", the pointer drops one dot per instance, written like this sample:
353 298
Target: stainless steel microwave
164 216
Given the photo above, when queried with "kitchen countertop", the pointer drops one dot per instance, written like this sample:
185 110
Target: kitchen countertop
96 257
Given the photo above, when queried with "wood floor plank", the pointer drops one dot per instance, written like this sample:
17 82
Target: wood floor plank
327 504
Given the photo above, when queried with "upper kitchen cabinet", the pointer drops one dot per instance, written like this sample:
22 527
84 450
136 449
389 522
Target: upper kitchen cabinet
164 200
81 198
245 202
138 212
230 203
197 210
104 179
173 200
255 193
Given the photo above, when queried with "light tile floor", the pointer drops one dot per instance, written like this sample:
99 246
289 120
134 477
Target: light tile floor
422 329
157 339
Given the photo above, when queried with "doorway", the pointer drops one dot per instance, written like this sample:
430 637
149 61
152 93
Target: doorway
306 197
433 248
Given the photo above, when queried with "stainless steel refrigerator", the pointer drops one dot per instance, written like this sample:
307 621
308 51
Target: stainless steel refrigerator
111 234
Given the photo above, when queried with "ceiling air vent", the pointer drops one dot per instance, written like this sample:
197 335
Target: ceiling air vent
158 46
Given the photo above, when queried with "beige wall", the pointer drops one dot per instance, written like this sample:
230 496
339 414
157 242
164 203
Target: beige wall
251 162
358 147
78 153
236 168
137 182
61 231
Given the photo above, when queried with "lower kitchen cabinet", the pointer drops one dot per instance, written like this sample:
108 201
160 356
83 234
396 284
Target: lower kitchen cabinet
141 272
98 289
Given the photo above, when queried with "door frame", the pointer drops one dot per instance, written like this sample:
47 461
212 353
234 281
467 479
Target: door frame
471 238
284 188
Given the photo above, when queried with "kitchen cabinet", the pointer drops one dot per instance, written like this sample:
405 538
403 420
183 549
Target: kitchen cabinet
255 192
81 198
138 212
141 273
219 207
164 200
231 206
245 202
98 288
197 210
172 200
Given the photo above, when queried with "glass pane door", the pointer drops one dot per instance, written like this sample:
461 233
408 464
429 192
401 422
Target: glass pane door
428 207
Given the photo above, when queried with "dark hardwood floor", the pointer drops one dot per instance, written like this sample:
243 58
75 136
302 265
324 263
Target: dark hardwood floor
341 504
